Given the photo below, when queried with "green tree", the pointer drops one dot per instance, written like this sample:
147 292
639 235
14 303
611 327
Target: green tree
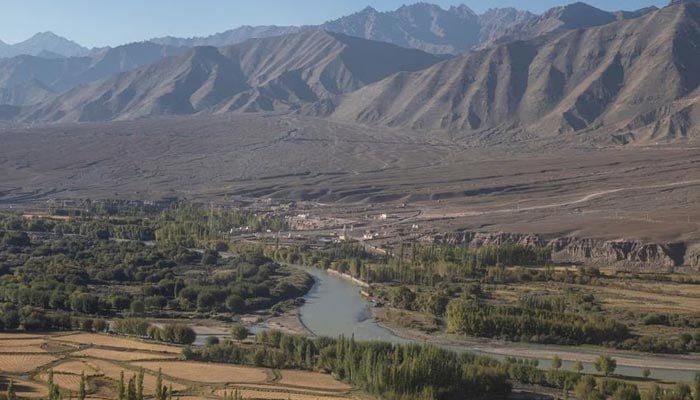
11 392
160 395
605 365
235 304
556 362
139 385
626 392
122 388
578 366
82 387
137 307
239 332
646 373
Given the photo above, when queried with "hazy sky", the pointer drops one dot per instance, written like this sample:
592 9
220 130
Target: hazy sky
113 22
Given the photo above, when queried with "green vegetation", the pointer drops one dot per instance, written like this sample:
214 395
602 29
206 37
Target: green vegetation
536 325
49 281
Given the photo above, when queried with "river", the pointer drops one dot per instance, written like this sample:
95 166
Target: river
335 307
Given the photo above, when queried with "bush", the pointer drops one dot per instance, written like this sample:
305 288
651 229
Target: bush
211 341
239 332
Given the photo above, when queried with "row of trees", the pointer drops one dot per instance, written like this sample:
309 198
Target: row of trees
194 225
172 333
469 317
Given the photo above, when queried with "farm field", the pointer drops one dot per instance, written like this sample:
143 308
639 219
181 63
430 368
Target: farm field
103 358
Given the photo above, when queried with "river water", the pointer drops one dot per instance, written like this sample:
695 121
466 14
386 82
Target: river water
335 307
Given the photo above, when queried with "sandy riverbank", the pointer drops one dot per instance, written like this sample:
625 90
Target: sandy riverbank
289 323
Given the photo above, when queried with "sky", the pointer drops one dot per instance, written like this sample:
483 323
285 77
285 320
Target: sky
98 23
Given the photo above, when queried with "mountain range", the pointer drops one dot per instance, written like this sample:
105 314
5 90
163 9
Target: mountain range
574 69
430 28
272 74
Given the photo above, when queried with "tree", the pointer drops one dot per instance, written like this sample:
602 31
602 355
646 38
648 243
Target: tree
646 373
139 385
100 325
585 389
206 300
235 304
11 393
578 367
239 332
626 392
211 341
556 362
696 384
160 390
137 307
122 389
131 389
605 365
81 389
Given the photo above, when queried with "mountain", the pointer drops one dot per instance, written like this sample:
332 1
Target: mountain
560 19
45 42
604 78
230 37
28 79
272 74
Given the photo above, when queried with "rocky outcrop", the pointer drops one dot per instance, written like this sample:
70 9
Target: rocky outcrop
623 255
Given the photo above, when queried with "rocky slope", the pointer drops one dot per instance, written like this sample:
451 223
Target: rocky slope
602 78
272 74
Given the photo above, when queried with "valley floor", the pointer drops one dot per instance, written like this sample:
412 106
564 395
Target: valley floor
558 186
